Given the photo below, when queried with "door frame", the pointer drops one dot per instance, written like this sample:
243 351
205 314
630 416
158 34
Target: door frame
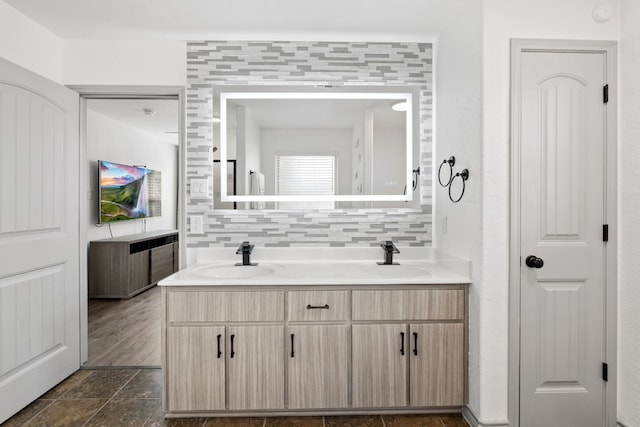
103 92
609 49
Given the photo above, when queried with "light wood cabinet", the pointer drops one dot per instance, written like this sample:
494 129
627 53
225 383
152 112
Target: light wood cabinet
379 366
195 368
433 350
201 358
338 350
427 304
256 368
318 306
318 362
434 353
207 307
436 366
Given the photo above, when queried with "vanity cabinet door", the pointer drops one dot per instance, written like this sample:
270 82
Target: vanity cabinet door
379 365
318 357
255 367
195 368
437 364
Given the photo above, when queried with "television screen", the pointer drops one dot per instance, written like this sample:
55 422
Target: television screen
128 192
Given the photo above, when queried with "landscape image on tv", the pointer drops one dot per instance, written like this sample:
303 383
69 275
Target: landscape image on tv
128 192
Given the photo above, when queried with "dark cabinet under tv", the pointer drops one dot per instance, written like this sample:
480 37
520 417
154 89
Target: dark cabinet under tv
122 267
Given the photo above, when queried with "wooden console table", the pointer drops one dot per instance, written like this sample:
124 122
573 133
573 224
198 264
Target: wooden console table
122 267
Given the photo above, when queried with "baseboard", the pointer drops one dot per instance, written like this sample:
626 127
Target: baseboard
473 421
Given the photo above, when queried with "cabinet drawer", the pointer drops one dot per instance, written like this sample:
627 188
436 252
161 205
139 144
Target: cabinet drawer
187 306
428 304
315 306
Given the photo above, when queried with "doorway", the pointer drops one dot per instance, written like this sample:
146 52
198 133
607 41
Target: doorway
563 222
144 130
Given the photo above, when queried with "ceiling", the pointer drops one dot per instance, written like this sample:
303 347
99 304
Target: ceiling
162 125
370 20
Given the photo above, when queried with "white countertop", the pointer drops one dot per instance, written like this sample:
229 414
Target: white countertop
321 266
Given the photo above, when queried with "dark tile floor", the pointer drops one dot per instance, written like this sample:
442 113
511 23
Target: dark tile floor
132 397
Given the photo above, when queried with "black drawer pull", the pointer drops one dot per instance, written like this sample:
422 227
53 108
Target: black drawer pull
233 353
415 343
311 307
402 343
219 352
292 352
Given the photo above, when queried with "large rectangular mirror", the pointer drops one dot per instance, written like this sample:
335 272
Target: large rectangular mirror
301 149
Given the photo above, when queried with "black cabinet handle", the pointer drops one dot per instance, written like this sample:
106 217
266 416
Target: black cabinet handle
219 352
311 307
232 352
292 352
402 343
415 343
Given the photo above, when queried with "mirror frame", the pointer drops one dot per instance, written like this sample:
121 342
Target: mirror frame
392 93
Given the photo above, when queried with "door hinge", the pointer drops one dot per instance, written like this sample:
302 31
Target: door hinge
605 371
605 94
605 232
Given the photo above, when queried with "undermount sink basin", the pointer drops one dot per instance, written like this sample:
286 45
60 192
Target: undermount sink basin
233 271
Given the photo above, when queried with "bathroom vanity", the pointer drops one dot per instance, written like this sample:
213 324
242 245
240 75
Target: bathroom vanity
290 336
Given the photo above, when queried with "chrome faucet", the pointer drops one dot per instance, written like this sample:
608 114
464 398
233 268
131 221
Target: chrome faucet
245 249
389 250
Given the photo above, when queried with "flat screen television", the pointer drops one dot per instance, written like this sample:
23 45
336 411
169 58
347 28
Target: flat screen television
128 192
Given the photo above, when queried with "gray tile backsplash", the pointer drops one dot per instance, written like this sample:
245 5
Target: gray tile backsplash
212 63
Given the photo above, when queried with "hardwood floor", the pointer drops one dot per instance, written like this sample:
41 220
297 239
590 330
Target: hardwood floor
125 332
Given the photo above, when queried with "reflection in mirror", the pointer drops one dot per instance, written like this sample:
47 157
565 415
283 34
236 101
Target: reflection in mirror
315 151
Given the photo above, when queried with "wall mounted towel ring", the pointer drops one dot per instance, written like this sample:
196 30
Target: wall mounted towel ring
464 176
451 161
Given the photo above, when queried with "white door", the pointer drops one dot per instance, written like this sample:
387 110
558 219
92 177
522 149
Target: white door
39 278
562 212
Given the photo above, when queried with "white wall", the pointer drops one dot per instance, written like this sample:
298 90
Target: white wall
310 141
629 225
503 20
458 132
113 141
28 44
124 62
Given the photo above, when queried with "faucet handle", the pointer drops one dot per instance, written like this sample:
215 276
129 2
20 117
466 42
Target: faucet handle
245 248
388 246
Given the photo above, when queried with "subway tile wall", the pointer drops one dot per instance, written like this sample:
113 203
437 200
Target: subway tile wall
214 63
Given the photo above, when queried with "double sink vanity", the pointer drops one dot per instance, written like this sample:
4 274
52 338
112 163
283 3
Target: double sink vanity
315 331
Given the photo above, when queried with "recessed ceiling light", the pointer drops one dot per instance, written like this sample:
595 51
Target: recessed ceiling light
400 106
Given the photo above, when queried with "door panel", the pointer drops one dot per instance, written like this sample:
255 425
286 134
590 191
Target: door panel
31 303
562 212
256 367
318 366
436 368
39 247
196 368
33 135
379 364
